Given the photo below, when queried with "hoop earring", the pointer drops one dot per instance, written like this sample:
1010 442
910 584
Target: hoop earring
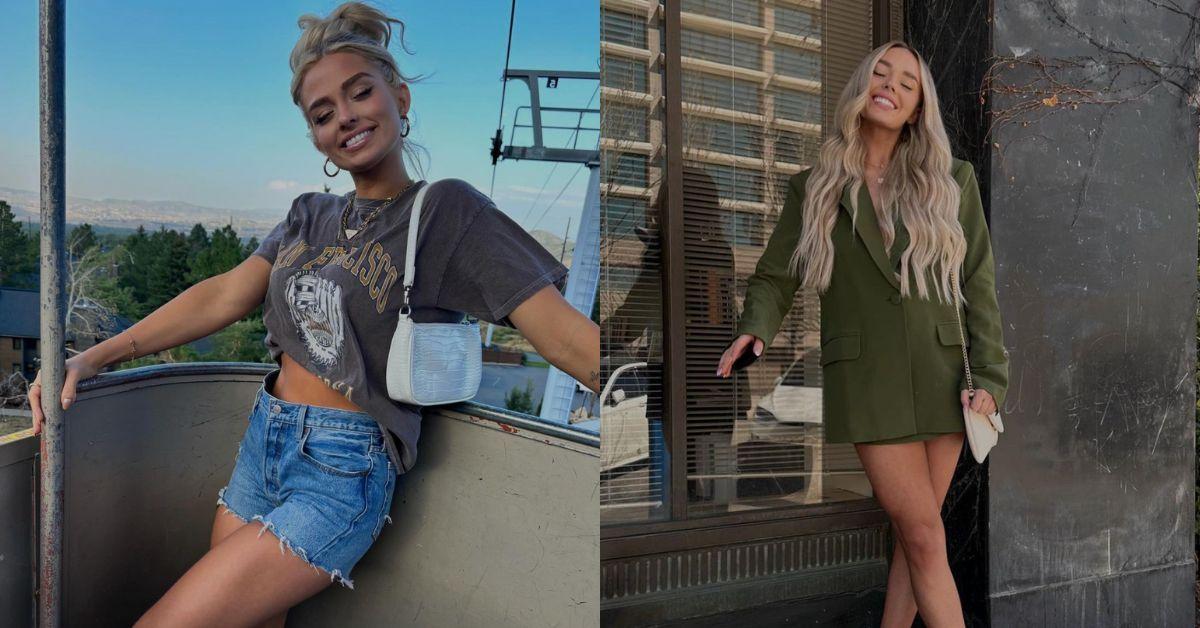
406 126
326 169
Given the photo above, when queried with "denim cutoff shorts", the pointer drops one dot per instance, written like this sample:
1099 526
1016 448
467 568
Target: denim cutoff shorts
319 478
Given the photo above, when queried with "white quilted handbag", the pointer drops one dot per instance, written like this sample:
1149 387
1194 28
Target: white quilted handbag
431 363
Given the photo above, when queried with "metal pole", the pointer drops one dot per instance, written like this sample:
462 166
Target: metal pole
535 104
50 347
580 292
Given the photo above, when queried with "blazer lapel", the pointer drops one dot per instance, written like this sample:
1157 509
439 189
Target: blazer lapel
868 229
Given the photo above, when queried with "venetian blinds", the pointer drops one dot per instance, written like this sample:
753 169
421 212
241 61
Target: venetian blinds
633 455
760 83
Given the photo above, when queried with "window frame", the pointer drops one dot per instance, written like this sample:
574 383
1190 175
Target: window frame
680 529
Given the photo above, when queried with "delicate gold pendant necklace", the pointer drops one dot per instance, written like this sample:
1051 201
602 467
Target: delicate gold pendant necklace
881 167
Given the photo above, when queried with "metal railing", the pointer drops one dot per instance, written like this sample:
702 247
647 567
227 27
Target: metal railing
539 150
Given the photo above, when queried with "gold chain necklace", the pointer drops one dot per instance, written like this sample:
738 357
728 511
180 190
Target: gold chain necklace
347 232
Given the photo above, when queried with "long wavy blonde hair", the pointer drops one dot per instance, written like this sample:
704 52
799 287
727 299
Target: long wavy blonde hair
917 184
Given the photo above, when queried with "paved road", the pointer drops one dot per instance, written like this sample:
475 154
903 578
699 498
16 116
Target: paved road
499 379
10 424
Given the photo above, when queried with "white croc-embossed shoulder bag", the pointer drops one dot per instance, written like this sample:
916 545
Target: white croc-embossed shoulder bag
983 431
431 363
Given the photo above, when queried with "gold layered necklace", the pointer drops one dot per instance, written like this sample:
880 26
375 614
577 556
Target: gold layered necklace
372 208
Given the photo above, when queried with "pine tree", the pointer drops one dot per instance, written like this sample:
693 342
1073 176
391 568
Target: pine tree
223 253
167 274
250 247
519 400
18 250
81 238
133 274
197 240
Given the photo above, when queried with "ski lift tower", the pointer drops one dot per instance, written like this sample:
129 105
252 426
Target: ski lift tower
584 278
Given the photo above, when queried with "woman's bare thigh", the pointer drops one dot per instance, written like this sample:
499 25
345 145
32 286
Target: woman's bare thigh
900 479
244 580
224 524
943 453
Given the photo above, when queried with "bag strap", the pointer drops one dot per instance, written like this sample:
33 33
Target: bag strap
966 360
410 250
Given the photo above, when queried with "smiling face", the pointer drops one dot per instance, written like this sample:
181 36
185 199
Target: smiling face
352 112
894 90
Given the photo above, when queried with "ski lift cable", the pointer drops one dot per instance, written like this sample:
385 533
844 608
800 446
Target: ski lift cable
560 193
504 86
537 198
574 133
507 53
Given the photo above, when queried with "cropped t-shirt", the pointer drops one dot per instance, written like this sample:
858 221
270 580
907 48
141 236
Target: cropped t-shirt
332 304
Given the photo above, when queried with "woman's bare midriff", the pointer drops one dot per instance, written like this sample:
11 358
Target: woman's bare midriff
297 385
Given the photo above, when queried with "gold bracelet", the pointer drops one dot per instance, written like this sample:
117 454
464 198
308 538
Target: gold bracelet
132 347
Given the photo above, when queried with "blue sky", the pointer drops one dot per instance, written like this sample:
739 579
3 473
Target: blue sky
190 101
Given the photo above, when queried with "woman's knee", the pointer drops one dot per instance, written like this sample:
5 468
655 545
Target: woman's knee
923 538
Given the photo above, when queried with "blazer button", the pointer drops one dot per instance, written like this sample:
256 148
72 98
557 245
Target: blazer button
894 299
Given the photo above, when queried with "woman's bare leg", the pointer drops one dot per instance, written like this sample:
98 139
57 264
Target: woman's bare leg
900 607
900 476
243 571
224 524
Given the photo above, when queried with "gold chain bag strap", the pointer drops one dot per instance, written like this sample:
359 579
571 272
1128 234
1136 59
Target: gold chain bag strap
983 431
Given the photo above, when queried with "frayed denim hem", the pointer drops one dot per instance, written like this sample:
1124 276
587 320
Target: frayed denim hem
222 503
335 575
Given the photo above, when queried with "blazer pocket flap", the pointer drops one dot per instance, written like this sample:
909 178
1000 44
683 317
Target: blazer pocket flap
948 333
843 347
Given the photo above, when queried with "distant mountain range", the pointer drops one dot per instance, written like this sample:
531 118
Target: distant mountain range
180 216
123 214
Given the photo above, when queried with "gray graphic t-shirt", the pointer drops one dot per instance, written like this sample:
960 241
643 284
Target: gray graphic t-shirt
332 304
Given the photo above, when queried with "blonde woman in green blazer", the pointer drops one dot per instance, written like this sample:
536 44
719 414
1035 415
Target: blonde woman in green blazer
876 226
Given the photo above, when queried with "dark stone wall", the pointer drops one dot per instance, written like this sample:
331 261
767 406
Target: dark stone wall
954 38
1093 220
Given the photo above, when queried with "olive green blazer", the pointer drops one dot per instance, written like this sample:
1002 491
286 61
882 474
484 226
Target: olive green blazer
892 366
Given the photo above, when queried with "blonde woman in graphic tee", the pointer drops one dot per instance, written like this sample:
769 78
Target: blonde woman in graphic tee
324 444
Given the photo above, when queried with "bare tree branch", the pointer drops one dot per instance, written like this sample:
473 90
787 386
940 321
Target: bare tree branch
1029 89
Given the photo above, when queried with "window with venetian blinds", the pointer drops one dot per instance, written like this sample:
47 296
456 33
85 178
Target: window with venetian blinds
759 84
633 453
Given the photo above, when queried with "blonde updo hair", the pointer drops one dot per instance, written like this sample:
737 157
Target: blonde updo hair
357 28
